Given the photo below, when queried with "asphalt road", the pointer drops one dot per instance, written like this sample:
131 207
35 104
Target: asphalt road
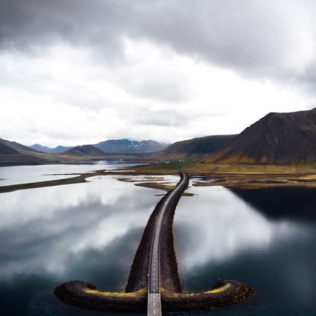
154 301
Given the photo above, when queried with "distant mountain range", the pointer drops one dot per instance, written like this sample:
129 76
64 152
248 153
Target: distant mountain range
130 146
14 153
85 150
118 146
197 148
5 149
46 149
277 138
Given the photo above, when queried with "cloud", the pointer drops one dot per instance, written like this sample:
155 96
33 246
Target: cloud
153 72
166 117
165 69
258 37
32 23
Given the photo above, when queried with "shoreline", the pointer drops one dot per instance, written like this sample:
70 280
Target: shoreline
239 178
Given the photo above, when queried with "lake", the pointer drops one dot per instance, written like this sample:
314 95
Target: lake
27 174
90 232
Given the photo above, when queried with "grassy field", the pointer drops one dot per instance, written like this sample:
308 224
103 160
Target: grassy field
238 175
242 175
42 184
211 168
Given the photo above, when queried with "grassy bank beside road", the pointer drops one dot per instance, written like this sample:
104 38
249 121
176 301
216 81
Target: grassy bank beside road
238 175
242 175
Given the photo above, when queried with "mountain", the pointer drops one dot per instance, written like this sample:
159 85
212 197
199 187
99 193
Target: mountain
18 148
126 146
85 150
46 149
121 146
196 148
14 153
277 138
7 150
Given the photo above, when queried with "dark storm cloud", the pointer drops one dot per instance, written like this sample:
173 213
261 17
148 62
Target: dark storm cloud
106 60
29 23
257 37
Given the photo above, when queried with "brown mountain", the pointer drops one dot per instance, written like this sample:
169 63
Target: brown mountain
84 150
15 148
196 148
12 153
7 150
278 138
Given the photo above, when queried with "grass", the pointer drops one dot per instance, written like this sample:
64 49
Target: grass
241 175
34 185
136 294
219 289
171 167
154 185
251 168
199 168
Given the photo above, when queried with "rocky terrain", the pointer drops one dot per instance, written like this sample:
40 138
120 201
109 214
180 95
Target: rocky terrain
277 138
196 148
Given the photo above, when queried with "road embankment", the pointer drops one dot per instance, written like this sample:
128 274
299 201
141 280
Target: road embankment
134 299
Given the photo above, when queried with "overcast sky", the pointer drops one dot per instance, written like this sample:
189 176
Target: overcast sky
76 72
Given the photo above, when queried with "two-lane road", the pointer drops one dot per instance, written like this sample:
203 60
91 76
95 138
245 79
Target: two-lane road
154 301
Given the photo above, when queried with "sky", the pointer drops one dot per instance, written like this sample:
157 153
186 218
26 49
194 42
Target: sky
76 72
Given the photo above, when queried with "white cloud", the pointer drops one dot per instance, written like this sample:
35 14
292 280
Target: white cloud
166 70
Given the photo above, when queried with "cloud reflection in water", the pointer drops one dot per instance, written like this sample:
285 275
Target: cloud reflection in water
42 229
215 225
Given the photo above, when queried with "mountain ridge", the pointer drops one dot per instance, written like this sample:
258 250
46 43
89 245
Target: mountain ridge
84 150
118 146
13 153
125 145
277 138
46 149
195 148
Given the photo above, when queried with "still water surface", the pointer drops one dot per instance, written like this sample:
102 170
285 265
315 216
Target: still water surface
90 232
27 174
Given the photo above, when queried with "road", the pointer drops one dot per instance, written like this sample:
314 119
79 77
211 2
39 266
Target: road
154 300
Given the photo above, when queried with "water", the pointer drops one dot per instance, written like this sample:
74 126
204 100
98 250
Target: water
27 174
232 239
90 232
